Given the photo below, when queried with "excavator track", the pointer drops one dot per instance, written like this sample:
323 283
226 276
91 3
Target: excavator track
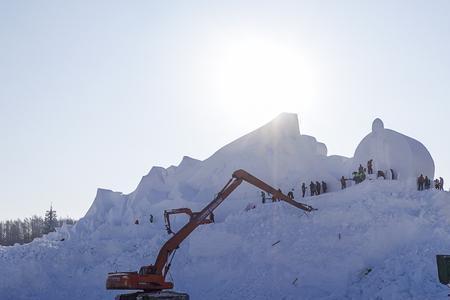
164 295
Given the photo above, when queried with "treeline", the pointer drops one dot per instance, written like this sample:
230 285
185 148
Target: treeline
26 230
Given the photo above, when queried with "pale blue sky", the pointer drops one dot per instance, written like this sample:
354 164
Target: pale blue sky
94 93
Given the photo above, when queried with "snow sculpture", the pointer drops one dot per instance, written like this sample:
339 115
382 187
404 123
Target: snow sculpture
377 125
322 149
278 153
407 157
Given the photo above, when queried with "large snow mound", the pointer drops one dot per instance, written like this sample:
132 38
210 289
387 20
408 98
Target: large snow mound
376 240
407 157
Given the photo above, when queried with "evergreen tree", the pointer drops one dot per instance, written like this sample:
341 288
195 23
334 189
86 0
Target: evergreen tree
50 221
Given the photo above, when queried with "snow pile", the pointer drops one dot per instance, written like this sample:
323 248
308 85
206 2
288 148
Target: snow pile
376 240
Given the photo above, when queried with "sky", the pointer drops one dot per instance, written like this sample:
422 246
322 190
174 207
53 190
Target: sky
95 93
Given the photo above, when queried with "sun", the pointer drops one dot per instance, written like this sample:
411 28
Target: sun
262 77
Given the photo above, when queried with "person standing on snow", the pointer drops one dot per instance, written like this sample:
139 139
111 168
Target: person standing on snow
263 197
312 188
420 182
317 188
291 194
427 183
303 190
436 184
441 183
361 169
343 183
370 166
324 187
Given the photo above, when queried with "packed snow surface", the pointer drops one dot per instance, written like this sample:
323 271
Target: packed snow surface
375 240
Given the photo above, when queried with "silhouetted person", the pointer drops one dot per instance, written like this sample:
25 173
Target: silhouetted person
136 222
312 188
151 219
441 183
427 183
303 190
436 184
370 166
420 182
324 187
361 169
263 197
290 195
318 188
343 183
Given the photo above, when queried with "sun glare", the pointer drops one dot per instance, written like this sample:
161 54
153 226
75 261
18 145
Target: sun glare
263 77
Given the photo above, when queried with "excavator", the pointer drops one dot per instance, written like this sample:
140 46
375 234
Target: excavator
150 281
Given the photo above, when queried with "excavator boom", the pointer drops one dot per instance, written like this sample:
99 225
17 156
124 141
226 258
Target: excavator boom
152 278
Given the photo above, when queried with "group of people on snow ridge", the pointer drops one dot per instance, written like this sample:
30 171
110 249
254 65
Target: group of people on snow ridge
360 175
290 194
264 198
315 188
425 183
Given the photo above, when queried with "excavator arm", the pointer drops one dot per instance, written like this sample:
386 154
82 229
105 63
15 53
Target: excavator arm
276 194
152 278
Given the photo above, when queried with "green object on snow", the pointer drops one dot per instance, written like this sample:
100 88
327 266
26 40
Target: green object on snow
443 264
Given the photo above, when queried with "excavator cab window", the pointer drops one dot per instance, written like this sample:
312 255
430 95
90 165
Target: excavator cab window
145 270
443 264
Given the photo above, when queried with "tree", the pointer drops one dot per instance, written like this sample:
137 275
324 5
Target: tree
2 239
16 234
50 221
37 226
26 230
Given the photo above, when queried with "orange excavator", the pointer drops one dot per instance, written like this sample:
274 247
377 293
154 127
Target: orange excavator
151 279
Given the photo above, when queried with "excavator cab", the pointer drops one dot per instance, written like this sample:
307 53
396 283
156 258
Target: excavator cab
144 280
